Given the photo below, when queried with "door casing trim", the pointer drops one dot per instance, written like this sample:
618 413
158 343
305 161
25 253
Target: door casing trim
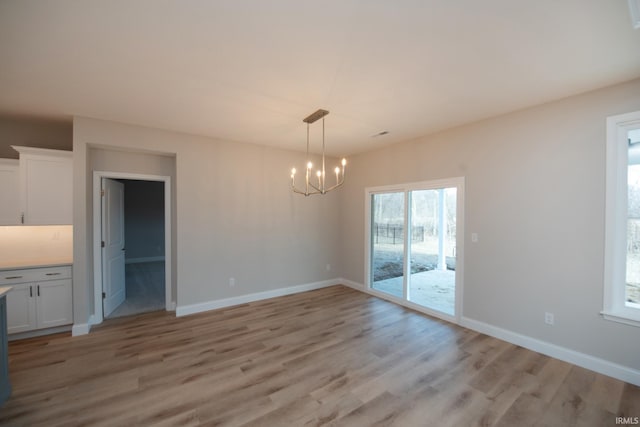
97 316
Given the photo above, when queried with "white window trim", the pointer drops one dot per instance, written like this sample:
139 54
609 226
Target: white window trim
615 219
435 184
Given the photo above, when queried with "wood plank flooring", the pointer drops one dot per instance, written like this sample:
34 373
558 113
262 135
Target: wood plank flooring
333 356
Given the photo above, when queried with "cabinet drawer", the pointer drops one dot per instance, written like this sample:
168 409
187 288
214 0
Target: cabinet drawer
11 277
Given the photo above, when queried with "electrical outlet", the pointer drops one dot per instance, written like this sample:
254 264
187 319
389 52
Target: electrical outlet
232 281
548 318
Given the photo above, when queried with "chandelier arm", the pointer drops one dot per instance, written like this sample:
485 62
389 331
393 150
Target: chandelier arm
339 183
334 187
316 190
314 187
305 193
294 188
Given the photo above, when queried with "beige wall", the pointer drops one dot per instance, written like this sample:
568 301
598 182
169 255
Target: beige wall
235 215
33 133
535 196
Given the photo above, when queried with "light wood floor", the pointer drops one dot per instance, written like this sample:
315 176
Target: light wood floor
329 357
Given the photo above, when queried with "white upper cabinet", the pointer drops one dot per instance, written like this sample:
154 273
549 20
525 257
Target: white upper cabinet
46 186
9 192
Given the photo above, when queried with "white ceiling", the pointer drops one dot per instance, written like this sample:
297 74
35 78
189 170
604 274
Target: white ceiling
252 70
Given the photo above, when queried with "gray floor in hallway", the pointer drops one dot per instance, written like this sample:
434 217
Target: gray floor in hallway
145 289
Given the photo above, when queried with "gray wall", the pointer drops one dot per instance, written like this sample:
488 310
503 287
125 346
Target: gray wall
33 132
535 182
115 159
235 215
143 219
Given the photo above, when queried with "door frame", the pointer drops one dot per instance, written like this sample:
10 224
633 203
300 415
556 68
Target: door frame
97 236
405 188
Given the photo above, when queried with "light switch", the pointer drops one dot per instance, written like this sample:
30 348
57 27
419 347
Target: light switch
474 237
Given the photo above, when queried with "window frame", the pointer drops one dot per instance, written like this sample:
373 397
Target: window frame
616 195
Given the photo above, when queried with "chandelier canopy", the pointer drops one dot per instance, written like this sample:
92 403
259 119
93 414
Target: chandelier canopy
321 188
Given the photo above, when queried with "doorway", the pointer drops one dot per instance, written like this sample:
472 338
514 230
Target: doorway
132 244
414 246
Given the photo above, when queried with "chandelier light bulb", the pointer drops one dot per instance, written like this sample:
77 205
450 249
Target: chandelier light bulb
344 162
309 165
293 171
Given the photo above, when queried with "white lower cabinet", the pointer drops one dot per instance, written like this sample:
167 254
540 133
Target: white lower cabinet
53 304
21 309
40 298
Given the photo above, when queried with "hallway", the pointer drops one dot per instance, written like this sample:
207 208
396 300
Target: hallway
145 289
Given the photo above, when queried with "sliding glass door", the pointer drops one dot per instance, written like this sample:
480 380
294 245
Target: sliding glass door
413 243
432 254
388 242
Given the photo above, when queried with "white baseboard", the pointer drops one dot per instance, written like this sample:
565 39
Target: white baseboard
144 259
80 329
583 360
354 285
185 310
38 333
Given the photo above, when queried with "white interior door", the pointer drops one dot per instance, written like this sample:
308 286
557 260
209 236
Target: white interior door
113 251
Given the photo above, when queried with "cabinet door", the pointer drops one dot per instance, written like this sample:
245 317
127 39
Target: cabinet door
46 190
21 308
54 303
9 192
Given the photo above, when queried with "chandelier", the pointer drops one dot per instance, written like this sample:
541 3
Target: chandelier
321 187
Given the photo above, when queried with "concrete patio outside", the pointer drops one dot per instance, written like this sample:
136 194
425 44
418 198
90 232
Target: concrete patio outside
434 289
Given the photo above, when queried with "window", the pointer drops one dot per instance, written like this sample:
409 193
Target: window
413 252
622 226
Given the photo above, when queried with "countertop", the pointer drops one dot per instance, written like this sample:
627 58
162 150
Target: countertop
4 290
35 263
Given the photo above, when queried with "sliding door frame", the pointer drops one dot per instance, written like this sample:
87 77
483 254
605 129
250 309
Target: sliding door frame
407 188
